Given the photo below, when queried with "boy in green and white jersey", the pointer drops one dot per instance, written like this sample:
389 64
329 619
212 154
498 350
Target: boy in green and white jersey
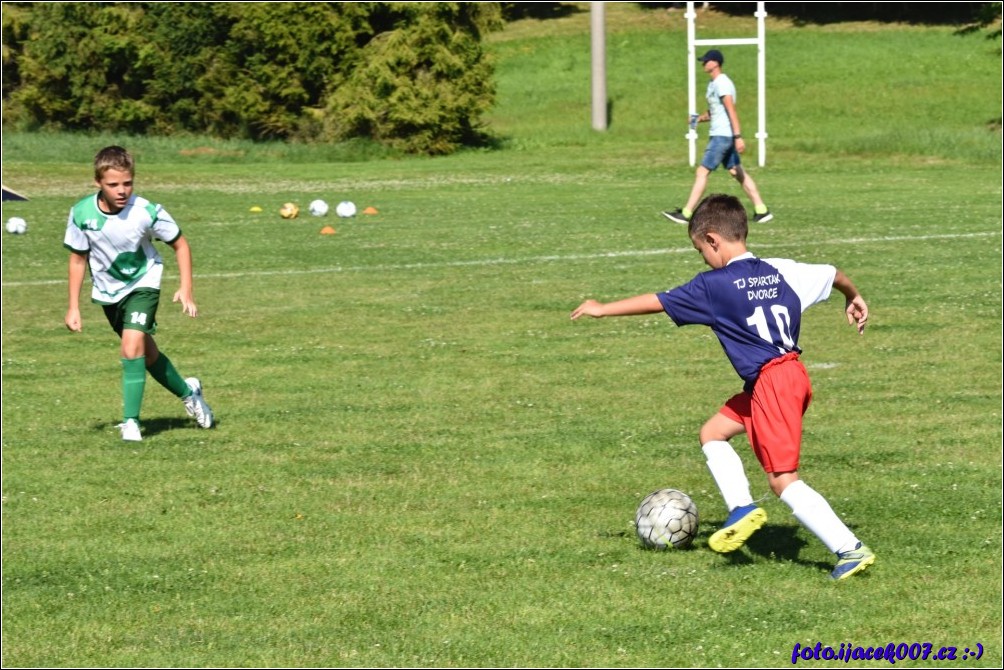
112 233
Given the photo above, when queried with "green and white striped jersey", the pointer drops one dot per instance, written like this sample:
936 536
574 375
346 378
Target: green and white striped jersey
119 246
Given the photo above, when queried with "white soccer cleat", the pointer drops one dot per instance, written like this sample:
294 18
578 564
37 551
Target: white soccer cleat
196 405
130 431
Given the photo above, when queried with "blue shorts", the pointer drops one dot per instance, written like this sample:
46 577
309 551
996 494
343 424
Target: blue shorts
721 151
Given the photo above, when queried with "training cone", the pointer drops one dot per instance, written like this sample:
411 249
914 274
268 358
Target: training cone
327 230
370 210
255 209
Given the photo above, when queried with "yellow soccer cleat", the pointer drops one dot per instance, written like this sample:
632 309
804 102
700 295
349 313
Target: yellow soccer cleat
852 562
742 522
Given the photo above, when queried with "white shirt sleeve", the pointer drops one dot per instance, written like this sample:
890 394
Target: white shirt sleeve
812 283
75 238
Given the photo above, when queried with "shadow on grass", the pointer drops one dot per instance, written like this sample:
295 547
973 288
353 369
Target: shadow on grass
158 425
775 543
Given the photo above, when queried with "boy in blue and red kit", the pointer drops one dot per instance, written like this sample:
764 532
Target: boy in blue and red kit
754 306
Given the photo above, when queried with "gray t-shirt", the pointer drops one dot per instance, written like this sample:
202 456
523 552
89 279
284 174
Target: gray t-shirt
719 87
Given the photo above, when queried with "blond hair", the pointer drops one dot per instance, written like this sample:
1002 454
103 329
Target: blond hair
113 158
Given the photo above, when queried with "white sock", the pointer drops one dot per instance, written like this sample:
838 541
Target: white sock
727 469
812 510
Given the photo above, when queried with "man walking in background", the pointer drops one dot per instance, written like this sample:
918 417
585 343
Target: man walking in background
725 143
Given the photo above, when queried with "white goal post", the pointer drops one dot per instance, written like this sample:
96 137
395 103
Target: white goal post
759 41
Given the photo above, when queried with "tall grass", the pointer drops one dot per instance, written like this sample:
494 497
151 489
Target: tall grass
421 461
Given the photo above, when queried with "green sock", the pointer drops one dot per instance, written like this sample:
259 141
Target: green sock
167 376
133 383
760 209
687 212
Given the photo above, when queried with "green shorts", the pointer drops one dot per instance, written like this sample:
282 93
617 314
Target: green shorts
136 311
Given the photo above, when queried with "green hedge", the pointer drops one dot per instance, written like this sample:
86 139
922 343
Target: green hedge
410 75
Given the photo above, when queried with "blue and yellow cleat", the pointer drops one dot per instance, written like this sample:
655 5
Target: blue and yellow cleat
742 522
852 562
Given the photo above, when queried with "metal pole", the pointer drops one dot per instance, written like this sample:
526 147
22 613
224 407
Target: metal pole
599 65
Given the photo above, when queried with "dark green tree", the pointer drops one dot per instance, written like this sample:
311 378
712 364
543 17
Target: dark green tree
181 42
78 68
422 84
271 73
410 75
988 17
15 30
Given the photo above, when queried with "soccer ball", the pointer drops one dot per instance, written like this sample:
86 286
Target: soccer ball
666 518
289 211
346 209
318 208
16 225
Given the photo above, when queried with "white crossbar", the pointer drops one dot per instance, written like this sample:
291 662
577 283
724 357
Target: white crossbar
760 42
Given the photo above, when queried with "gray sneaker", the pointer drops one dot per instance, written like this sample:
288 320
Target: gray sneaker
130 431
676 216
763 218
196 405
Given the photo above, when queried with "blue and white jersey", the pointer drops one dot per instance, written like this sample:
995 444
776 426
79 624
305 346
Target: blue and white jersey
753 305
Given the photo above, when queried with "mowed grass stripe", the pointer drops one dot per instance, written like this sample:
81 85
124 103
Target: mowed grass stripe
530 260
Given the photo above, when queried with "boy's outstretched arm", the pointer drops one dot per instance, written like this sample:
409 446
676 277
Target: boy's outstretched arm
856 308
640 304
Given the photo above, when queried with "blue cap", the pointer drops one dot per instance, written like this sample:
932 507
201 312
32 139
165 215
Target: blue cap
713 54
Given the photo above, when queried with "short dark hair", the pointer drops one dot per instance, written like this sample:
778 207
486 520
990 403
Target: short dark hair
722 214
113 158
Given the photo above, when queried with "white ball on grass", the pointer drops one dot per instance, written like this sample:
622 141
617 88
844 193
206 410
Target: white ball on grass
318 208
345 209
16 225
667 518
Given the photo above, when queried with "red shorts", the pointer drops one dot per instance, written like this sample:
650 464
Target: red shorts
772 415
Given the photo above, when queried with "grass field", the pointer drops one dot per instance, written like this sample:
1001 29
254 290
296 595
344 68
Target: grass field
421 461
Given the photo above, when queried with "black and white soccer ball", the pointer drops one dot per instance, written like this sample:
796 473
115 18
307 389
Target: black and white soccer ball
666 518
